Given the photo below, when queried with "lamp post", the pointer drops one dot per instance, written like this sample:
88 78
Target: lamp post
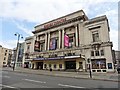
17 49
89 68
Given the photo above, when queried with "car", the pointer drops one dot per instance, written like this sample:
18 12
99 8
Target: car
118 69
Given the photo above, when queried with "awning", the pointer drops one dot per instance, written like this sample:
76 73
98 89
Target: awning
66 57
55 58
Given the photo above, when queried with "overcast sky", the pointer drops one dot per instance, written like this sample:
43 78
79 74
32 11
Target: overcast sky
22 15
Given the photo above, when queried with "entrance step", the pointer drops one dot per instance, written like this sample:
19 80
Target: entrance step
70 70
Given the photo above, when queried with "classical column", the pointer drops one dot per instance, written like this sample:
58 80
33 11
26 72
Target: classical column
48 40
59 39
63 38
76 35
45 41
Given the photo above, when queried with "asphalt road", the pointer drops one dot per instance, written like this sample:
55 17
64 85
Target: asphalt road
23 80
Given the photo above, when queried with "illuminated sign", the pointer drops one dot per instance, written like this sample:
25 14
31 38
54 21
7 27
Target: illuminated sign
54 23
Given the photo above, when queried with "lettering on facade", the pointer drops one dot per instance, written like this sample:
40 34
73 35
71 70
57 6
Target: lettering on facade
54 23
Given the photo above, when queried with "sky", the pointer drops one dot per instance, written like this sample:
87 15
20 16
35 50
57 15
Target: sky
22 16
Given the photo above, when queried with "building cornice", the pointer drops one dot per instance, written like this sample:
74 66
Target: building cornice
60 24
94 20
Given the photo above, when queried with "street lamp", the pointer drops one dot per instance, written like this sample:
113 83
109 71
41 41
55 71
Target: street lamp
17 49
89 68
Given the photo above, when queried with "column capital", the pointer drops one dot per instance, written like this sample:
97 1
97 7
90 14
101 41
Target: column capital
62 28
59 30
48 32
75 25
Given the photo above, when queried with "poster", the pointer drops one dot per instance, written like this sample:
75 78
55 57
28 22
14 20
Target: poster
66 41
53 43
37 46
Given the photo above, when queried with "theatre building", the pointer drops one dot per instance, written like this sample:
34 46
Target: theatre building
72 42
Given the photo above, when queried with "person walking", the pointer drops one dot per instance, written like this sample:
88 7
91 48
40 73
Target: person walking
13 66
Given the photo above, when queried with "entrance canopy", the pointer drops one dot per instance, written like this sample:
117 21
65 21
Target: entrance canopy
57 58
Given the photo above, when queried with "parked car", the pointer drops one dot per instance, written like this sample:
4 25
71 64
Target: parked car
118 69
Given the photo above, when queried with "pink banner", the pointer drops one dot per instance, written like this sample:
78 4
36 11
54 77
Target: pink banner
66 40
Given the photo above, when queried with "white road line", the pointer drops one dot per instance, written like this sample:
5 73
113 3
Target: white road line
7 86
70 86
20 74
6 76
4 72
34 81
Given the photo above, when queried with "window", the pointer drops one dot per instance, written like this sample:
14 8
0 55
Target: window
5 54
4 58
71 41
45 66
54 65
102 52
98 64
60 65
97 53
4 62
57 45
92 53
42 46
80 65
49 65
28 48
95 36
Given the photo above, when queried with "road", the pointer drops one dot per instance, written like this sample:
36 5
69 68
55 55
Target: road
23 80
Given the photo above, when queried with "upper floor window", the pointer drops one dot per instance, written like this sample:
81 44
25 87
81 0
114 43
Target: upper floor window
92 53
71 41
42 46
28 47
97 53
102 52
95 36
5 54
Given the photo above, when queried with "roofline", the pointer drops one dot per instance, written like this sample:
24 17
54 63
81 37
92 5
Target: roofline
62 17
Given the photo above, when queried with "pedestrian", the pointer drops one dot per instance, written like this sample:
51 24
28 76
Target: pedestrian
118 69
50 69
13 66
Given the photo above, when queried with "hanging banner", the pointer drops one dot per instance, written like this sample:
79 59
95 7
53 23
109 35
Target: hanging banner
66 40
37 46
52 44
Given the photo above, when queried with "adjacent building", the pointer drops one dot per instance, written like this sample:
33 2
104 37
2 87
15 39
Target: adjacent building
19 60
28 49
117 57
71 42
5 56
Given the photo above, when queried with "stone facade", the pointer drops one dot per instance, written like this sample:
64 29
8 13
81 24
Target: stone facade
88 40
5 56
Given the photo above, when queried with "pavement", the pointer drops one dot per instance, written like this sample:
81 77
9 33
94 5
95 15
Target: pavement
84 75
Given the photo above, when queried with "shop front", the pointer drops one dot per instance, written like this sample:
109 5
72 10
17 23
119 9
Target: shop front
98 65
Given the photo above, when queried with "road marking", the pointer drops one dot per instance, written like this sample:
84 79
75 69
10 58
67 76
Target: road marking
6 76
70 86
34 81
7 86
20 74
4 72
